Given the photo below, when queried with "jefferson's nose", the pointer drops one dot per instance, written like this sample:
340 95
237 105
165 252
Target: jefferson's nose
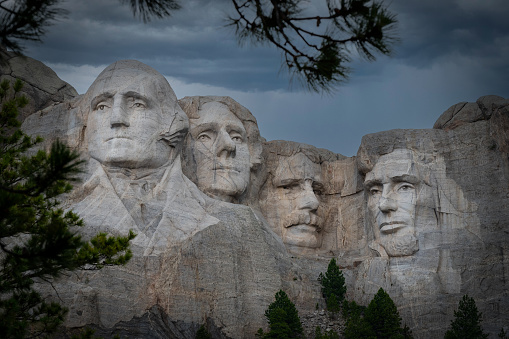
307 199
119 116
225 144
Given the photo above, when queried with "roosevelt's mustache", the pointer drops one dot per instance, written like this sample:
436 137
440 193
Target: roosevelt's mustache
302 218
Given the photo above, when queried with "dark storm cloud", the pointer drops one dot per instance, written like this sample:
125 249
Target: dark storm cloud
193 45
450 51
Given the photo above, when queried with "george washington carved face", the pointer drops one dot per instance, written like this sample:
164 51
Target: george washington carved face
132 115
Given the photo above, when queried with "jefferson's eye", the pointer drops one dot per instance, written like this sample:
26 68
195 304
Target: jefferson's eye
138 105
237 138
375 190
203 137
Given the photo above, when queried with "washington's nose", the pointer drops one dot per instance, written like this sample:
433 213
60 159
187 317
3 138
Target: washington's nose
119 116
225 145
387 204
308 199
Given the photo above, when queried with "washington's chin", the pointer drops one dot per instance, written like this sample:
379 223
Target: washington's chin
301 236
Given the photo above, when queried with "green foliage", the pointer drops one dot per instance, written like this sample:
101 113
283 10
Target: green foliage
38 241
283 318
380 320
317 46
202 333
327 335
333 286
467 321
383 316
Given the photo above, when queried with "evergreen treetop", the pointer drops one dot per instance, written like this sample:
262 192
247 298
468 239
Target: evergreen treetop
283 318
467 321
333 282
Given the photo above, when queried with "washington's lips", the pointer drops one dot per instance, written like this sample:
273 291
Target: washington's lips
118 137
392 226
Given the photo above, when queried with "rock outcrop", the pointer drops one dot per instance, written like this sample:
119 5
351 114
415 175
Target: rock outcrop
422 213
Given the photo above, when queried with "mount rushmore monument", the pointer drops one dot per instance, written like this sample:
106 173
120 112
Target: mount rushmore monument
224 218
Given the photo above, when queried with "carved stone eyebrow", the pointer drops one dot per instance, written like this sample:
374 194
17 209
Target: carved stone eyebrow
286 182
97 99
373 182
136 95
203 127
406 178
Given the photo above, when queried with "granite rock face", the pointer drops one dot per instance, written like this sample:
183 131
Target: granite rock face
42 86
225 219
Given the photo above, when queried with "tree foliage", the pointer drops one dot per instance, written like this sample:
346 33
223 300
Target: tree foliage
283 318
317 46
333 286
467 321
202 333
38 240
380 320
29 19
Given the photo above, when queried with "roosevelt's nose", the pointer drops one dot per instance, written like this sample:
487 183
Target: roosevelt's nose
119 116
225 145
307 199
387 203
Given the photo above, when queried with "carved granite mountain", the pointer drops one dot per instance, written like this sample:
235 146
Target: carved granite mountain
422 213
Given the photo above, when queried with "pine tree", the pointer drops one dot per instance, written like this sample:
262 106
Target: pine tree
38 241
383 316
467 321
202 333
333 283
283 318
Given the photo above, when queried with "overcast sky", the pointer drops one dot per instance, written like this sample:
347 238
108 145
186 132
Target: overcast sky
450 51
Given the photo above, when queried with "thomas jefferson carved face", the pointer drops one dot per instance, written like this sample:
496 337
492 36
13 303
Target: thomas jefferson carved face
127 120
221 152
395 188
292 201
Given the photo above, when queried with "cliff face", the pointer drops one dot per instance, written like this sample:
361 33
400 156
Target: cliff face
225 219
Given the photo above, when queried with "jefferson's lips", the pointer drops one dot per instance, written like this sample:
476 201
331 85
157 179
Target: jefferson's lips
391 227
226 168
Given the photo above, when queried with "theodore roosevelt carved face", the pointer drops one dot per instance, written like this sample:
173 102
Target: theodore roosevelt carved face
221 152
132 109
292 201
395 188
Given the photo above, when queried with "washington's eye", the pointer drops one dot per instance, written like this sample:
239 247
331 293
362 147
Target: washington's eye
375 190
101 106
138 105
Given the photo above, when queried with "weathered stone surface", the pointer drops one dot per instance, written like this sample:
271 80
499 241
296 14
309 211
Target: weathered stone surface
42 87
223 149
422 213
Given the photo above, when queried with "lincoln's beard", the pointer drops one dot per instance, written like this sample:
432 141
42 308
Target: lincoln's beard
400 246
